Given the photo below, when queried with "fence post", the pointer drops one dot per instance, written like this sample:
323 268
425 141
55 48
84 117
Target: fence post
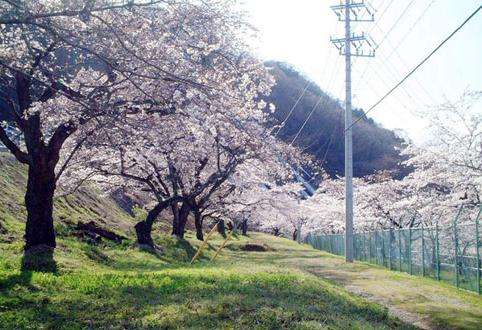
377 244
364 247
456 247
370 247
437 251
390 247
399 249
477 241
384 256
380 244
410 250
423 253
354 246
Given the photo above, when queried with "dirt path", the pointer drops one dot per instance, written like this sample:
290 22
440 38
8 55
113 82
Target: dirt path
423 302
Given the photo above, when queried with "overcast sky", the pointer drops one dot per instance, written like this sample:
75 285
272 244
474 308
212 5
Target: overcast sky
298 32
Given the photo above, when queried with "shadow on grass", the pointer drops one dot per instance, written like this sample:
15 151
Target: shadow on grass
187 247
198 299
95 254
38 260
23 279
172 253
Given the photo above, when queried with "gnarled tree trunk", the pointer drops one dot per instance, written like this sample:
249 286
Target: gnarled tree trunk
175 218
222 228
244 227
39 230
41 159
183 218
198 222
180 219
144 228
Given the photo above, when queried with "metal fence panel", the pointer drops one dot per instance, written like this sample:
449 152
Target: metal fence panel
451 254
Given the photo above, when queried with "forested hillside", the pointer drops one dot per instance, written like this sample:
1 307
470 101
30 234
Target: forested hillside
374 148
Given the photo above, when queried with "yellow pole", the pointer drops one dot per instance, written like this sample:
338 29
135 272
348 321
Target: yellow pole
222 245
204 244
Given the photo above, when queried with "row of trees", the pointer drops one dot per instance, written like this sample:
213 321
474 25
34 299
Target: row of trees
159 97
164 99
446 173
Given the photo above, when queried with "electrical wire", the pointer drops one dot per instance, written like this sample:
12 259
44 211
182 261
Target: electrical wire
306 120
416 67
308 83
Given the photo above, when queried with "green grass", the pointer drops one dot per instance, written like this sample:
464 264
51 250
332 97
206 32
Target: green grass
85 205
290 286
421 301
122 287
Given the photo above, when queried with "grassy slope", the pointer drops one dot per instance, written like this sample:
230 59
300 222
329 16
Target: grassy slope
122 287
421 301
85 206
119 286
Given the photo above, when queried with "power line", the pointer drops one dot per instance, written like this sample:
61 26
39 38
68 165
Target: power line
306 120
293 108
385 61
384 11
389 31
411 28
300 98
396 22
417 67
330 142
330 83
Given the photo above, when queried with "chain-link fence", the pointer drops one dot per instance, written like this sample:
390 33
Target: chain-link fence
450 253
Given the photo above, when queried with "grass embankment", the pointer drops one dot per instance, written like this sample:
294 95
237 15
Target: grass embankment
119 286
85 205
122 287
421 301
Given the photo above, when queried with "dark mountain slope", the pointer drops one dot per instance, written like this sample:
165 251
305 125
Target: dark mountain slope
374 148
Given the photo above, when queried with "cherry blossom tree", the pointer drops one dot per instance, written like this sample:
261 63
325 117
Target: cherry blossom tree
71 68
448 169
183 160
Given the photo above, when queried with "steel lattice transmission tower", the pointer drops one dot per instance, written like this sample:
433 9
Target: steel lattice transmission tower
351 11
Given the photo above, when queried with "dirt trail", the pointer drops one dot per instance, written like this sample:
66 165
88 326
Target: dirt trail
422 302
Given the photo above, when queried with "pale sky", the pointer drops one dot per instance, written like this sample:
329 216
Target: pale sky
298 32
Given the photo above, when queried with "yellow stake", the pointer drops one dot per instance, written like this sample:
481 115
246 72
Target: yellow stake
222 245
204 244
225 241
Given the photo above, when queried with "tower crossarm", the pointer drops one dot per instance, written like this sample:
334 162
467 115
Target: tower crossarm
360 11
363 45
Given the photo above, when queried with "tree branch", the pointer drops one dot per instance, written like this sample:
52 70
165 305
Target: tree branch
21 156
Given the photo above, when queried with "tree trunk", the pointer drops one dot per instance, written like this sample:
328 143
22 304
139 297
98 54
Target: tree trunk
222 228
39 230
295 235
183 217
198 222
144 228
245 227
175 218
180 219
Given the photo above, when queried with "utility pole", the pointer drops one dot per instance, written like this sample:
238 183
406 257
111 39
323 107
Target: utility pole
357 11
